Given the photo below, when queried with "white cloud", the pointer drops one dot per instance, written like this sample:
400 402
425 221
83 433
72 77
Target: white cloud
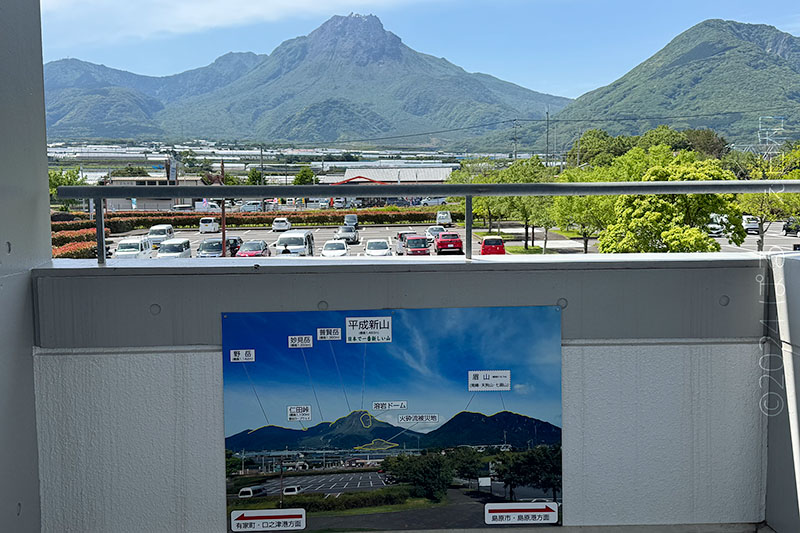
114 21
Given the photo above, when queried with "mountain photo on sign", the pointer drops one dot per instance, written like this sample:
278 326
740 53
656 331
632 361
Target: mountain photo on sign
475 390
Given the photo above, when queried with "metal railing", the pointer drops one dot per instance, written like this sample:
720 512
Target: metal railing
468 191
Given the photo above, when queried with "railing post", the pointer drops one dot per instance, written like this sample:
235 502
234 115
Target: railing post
468 226
99 213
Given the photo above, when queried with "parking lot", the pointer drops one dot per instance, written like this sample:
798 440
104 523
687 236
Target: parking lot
330 484
774 239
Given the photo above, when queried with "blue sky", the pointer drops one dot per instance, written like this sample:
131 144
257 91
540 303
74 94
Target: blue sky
426 364
562 47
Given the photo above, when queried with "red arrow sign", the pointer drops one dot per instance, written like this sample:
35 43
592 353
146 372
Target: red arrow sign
269 517
515 511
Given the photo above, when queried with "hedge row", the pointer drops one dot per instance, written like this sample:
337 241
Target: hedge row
60 238
76 250
72 225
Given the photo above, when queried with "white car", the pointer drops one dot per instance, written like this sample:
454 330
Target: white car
750 224
174 248
134 248
250 206
160 233
336 248
377 248
432 232
209 225
444 218
433 201
281 224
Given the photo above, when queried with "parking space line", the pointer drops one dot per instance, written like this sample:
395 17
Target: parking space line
338 494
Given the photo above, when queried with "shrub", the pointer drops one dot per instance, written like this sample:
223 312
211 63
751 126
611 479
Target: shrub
76 250
61 238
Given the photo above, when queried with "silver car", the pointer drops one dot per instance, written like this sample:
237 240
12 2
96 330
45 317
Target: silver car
348 234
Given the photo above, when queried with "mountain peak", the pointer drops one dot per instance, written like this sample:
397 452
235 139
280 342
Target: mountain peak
360 39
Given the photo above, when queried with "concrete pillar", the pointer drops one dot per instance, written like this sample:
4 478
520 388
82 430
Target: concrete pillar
24 244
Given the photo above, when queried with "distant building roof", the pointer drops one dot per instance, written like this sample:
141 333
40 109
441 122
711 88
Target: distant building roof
391 175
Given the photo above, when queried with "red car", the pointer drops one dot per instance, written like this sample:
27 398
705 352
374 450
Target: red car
493 246
253 249
448 242
416 245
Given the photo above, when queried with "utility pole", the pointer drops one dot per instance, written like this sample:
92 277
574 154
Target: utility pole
580 134
261 180
224 241
516 125
547 144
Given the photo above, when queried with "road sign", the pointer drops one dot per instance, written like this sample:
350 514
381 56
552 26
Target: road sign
268 520
368 330
496 514
488 380
484 482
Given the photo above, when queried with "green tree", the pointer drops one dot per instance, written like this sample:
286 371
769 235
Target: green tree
305 177
466 462
663 134
544 468
526 208
63 178
129 171
587 215
254 176
674 223
597 148
481 171
707 142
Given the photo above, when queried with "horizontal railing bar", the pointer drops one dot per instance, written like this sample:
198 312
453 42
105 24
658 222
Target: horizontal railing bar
439 190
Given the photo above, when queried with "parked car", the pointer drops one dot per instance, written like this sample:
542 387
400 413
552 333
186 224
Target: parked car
448 242
254 249
160 233
298 242
377 247
791 226
416 245
234 243
209 225
253 492
336 248
432 232
716 226
399 202
182 207
492 245
400 241
250 206
281 224
433 201
134 248
339 203
292 490
750 224
347 234
210 248
444 218
351 219
174 248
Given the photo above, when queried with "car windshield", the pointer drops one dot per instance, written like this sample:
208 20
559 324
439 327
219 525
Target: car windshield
211 246
206 220
334 246
417 243
280 221
492 242
350 218
171 248
251 246
435 229
158 231
347 229
448 236
377 245
128 246
290 241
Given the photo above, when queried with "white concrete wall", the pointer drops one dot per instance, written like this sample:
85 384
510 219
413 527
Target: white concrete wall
131 440
655 432
24 244
662 432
